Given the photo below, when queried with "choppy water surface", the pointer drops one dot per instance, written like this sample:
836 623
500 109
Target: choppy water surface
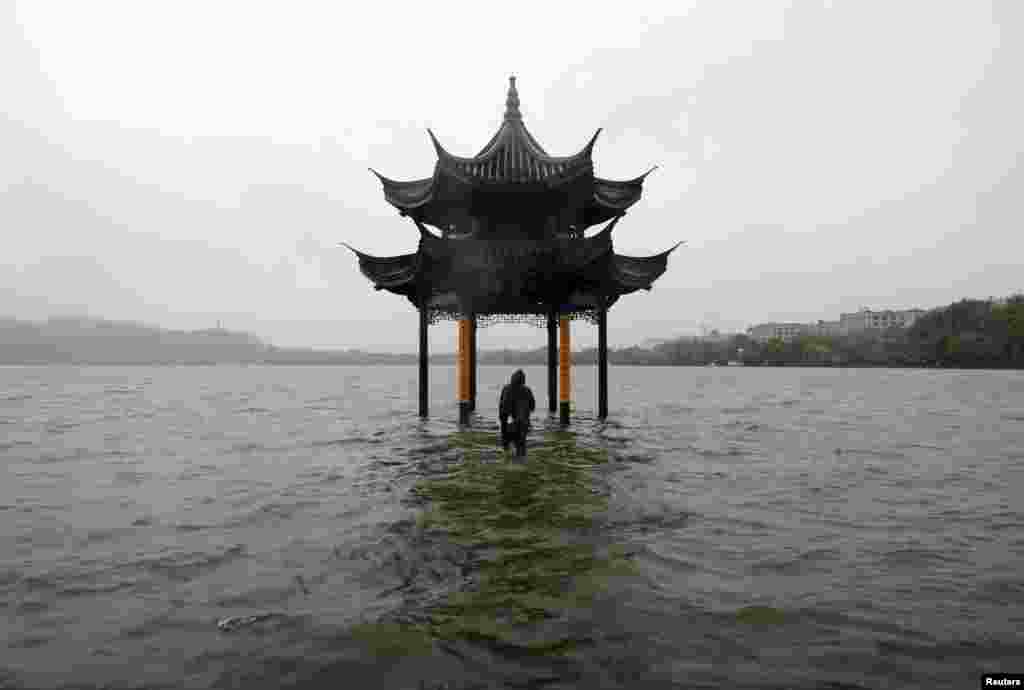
272 527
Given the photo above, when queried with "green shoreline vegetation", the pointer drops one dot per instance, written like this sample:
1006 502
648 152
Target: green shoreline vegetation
966 334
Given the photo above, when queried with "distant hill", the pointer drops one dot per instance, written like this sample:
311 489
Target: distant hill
84 340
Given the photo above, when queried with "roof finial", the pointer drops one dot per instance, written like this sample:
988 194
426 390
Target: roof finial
512 102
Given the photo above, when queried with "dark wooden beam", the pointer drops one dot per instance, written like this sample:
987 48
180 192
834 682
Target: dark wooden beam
462 372
552 361
424 397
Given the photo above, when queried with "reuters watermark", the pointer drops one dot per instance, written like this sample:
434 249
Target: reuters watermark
1002 680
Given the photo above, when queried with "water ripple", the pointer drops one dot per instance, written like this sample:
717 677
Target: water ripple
743 528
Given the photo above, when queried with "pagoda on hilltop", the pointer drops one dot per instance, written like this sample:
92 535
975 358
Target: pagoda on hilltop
509 244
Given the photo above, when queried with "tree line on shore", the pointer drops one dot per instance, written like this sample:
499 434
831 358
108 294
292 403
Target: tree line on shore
968 333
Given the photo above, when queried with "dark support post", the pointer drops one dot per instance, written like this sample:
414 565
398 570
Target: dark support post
462 371
424 397
472 364
602 362
565 371
552 361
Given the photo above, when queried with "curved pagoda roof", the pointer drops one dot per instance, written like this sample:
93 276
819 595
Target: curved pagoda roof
513 160
536 264
513 276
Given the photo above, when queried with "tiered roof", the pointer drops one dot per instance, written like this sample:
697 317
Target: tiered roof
504 253
511 161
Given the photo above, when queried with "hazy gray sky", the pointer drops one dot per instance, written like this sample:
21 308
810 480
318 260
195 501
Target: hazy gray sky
183 162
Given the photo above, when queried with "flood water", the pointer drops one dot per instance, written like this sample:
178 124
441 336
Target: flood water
264 527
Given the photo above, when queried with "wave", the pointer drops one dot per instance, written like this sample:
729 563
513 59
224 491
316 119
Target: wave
733 451
252 410
917 546
186 566
336 442
270 511
249 447
806 561
872 453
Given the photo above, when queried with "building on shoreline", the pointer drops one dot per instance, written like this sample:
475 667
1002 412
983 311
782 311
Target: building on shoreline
869 319
864 320
827 329
784 331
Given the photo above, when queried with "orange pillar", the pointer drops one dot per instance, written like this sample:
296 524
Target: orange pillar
462 375
564 370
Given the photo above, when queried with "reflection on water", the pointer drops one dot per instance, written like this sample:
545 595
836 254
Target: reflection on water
260 527
527 535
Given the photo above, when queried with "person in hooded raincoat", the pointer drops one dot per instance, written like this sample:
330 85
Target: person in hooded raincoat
514 410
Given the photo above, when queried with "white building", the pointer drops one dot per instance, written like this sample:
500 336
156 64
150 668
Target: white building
856 322
869 319
828 329
786 331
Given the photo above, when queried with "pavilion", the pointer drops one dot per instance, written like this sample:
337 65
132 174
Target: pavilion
510 246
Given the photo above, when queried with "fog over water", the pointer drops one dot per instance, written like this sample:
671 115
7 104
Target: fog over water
273 527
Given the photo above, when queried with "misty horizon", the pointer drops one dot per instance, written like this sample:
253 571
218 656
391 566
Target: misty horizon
816 159
409 348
